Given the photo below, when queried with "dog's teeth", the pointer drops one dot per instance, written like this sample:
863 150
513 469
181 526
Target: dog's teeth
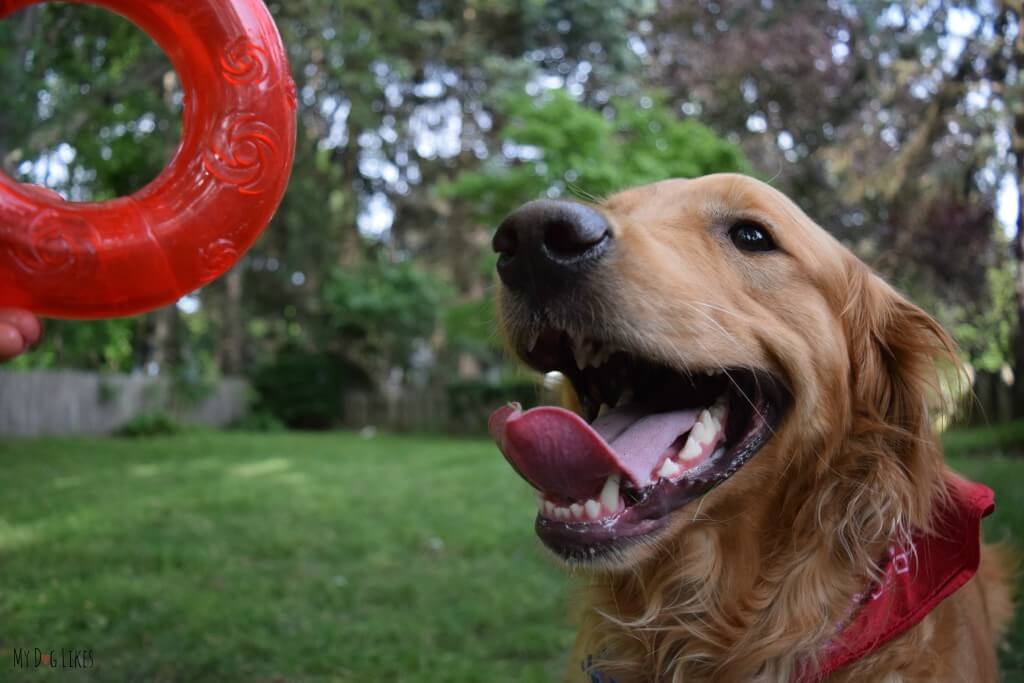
603 409
708 430
562 513
669 469
549 508
592 508
576 510
610 494
625 397
697 432
692 449
579 352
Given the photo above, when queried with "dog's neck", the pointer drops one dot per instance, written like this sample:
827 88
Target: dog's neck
752 592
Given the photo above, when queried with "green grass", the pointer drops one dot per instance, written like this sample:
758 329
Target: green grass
285 557
1003 439
276 558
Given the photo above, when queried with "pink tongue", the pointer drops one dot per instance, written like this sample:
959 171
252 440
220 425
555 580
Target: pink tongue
558 452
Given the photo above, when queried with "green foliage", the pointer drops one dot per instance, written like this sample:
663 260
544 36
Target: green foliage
985 330
376 312
302 388
569 148
99 89
148 425
471 326
471 401
193 378
92 345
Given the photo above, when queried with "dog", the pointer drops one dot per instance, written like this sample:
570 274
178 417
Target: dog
745 469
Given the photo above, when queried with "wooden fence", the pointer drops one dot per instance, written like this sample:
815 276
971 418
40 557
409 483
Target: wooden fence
409 411
72 402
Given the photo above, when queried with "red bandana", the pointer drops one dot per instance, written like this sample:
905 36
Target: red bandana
917 578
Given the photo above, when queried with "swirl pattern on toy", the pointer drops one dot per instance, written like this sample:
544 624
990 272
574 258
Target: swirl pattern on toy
197 218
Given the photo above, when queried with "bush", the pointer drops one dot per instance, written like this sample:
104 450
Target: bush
149 424
258 421
302 389
379 310
470 402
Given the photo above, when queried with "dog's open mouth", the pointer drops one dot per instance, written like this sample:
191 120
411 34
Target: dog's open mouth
654 438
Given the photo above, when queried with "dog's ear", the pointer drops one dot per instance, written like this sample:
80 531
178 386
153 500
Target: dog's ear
903 368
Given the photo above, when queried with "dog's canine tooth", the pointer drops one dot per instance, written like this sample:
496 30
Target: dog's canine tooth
669 469
610 494
709 430
692 449
697 432
603 409
579 352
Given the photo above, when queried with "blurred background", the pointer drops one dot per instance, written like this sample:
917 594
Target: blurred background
227 545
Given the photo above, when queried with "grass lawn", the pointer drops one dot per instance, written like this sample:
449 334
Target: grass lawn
285 557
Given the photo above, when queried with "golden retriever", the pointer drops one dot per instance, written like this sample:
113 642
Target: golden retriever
749 466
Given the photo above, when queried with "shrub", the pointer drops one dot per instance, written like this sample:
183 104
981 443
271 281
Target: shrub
379 310
258 421
149 424
302 389
470 402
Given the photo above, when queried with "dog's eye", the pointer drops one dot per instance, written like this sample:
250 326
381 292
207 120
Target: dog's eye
750 236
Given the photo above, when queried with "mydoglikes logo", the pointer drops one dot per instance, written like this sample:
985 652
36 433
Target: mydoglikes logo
62 658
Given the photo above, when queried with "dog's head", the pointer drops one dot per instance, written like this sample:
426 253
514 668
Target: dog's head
713 337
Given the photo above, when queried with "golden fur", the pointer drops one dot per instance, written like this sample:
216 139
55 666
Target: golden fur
748 581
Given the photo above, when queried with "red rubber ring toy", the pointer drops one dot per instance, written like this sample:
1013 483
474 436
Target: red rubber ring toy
197 218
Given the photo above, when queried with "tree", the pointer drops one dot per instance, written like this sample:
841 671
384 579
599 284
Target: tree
566 148
883 119
557 146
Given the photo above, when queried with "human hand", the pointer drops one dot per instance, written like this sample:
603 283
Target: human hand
19 330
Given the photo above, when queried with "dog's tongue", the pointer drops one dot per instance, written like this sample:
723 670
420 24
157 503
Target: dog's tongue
558 452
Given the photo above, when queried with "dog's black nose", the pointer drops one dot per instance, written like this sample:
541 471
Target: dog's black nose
548 243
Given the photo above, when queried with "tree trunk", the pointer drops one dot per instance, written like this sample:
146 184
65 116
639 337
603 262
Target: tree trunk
1017 111
162 344
233 344
349 253
1018 254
